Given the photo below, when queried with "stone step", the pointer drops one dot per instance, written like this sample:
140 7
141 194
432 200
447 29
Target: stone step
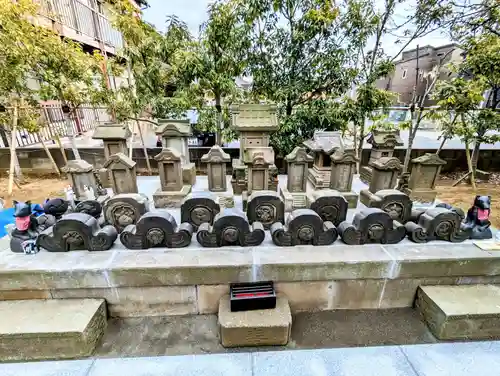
265 327
50 329
461 312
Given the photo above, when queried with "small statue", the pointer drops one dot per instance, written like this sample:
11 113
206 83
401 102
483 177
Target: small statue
478 218
24 235
53 210
101 191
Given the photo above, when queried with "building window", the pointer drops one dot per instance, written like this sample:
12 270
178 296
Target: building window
440 54
405 72
421 75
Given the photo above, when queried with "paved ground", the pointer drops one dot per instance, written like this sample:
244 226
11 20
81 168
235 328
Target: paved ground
452 359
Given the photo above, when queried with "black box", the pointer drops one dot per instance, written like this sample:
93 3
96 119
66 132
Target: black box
252 296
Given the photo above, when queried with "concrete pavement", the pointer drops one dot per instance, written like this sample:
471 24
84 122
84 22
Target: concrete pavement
444 359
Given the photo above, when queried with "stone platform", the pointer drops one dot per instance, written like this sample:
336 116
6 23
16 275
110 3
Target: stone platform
50 329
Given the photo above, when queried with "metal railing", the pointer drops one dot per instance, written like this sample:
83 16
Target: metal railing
82 18
54 125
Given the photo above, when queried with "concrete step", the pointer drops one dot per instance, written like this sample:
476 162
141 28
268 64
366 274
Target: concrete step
50 329
265 327
461 312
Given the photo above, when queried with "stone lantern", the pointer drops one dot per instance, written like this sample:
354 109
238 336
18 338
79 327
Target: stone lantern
114 137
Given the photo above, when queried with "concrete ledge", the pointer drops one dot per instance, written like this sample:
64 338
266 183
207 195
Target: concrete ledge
461 312
50 329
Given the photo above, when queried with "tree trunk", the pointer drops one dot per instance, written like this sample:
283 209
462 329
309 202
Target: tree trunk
146 155
71 134
441 146
61 148
359 152
475 155
17 167
13 156
289 107
218 108
131 144
47 151
469 164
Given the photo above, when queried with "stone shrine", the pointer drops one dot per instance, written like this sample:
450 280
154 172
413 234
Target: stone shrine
384 176
423 177
323 144
255 170
174 134
294 194
114 137
342 173
122 173
383 144
172 191
216 160
82 175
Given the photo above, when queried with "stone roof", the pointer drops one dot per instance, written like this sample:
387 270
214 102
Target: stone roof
299 155
327 142
119 159
384 139
386 163
429 159
259 156
344 157
216 155
254 117
112 131
77 165
168 154
173 128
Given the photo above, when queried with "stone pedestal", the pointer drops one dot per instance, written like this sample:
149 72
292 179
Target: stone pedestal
294 195
323 144
266 327
175 134
383 144
342 173
423 177
114 137
172 191
122 173
384 176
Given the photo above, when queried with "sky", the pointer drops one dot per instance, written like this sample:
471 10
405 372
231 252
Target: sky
194 13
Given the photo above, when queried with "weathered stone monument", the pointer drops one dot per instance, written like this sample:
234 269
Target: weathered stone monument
125 209
342 173
294 195
122 173
383 144
175 134
423 177
323 144
384 176
82 175
172 191
114 137
255 170
216 160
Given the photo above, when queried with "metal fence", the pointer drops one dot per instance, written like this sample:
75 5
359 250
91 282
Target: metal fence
52 118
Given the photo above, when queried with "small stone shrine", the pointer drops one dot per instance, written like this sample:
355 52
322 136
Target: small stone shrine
216 160
122 173
294 194
172 191
384 176
174 134
342 174
114 137
423 177
323 144
255 170
383 144
82 175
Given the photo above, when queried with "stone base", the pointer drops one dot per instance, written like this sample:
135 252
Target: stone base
170 199
225 200
365 174
351 198
50 329
295 200
239 186
319 179
366 197
266 327
461 312
422 196
189 174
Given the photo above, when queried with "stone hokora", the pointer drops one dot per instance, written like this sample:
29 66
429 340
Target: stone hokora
294 194
303 227
122 173
371 225
157 229
75 232
230 227
216 160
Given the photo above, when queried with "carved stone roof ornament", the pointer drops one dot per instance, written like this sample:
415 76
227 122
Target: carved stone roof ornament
327 142
216 155
119 159
168 154
299 155
77 166
429 159
380 138
112 131
386 163
254 117
174 128
344 157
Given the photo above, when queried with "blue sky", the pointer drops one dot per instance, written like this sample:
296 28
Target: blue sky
193 12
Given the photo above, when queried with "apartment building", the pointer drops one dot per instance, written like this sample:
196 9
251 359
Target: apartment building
402 80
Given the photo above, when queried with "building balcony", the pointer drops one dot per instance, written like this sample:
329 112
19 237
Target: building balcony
82 21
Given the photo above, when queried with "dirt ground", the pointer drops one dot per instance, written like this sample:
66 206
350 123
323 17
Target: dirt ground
38 189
